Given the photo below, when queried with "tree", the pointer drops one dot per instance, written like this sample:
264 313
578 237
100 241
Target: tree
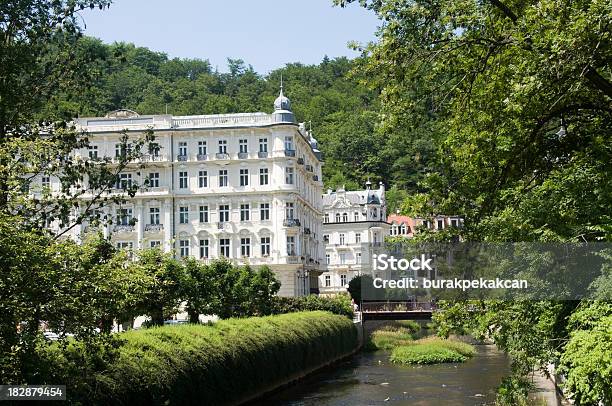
197 289
262 290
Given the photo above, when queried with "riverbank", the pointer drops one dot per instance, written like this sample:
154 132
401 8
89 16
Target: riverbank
228 363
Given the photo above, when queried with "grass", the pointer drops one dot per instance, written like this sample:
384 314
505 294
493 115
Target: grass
411 325
218 364
389 337
432 350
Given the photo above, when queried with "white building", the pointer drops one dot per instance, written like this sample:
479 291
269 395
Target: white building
354 226
241 186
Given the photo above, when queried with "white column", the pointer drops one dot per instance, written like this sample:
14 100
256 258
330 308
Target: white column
167 207
140 224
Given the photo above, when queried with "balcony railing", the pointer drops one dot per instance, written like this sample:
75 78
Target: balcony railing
202 157
290 152
154 227
123 228
262 154
315 178
243 155
291 223
222 155
222 225
300 161
181 157
292 258
307 230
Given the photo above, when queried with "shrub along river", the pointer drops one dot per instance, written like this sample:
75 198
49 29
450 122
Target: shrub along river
370 379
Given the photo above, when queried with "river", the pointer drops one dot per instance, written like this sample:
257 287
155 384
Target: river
370 379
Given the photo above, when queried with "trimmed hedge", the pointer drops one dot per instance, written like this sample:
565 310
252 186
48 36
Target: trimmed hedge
221 363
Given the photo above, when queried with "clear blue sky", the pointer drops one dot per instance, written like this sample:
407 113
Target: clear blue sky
266 33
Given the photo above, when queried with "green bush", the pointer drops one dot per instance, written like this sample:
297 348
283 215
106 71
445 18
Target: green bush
339 304
424 354
218 364
462 348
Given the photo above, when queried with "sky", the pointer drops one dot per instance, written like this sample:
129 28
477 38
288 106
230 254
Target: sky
264 33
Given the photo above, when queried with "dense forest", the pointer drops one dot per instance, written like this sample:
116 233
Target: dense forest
330 97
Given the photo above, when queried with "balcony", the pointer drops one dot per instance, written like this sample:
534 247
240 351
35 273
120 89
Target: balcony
153 228
292 258
315 178
262 154
243 155
181 157
291 223
306 230
123 228
223 226
300 161
202 157
290 152
222 155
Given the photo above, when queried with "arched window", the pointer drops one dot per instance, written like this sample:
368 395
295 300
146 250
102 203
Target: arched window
345 217
403 229
337 217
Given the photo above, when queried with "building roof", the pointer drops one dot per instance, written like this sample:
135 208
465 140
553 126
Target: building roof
357 197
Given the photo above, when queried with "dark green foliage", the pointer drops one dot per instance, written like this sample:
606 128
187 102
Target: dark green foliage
339 304
212 365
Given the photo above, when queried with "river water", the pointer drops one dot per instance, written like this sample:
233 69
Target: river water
370 379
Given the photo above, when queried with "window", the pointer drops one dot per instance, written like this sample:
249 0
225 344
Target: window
202 178
263 176
245 247
289 176
124 181
182 151
45 182
265 246
454 223
223 178
243 146
183 214
183 180
183 248
125 245
204 246
223 213
342 258
326 218
345 217
245 212
343 279
440 224
154 179
341 237
288 142
202 150
223 146
264 211
291 245
402 229
357 238
327 281
93 152
124 217
203 214
327 259
120 151
224 247
263 145
358 258
154 150
155 244
337 217
289 211
154 215
244 177
356 216
326 238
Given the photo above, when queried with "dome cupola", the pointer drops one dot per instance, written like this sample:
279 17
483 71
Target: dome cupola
282 108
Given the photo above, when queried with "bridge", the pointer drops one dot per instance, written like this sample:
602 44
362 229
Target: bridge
396 310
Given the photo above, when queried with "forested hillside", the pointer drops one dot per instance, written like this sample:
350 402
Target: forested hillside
342 112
